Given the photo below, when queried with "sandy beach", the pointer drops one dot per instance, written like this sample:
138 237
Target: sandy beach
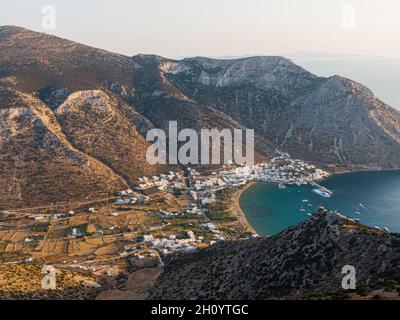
237 210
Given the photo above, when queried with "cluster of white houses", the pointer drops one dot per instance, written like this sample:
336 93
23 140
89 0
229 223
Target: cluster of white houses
130 197
172 244
160 182
281 169
192 210
218 235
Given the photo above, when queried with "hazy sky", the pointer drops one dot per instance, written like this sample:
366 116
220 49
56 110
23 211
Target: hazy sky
178 28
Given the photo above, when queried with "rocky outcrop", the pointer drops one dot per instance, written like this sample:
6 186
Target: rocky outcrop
301 262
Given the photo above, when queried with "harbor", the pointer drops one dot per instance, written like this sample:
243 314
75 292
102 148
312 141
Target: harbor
369 198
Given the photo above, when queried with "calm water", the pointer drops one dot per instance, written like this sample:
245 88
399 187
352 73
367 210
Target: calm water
375 195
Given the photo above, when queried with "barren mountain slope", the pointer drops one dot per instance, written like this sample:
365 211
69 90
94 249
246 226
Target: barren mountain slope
34 61
324 120
160 102
38 165
55 68
93 121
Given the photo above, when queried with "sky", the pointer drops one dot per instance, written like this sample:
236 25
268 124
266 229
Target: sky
357 39
219 28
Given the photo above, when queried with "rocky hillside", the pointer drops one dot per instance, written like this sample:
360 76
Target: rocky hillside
96 124
60 142
33 61
38 164
325 120
305 261
103 104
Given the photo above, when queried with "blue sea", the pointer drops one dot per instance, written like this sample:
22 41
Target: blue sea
372 197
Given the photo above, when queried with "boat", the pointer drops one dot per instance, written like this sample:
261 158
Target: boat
359 213
302 210
281 186
309 214
322 193
356 220
309 204
386 229
305 200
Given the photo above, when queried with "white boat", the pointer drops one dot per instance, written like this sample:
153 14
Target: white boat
386 229
321 193
359 213
281 186
305 200
309 214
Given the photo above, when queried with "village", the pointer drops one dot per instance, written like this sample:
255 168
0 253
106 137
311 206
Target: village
137 228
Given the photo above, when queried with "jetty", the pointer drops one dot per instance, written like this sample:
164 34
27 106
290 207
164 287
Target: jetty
322 188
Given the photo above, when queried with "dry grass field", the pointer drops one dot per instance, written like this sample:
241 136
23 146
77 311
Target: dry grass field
25 281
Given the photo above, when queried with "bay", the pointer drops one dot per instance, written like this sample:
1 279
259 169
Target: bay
372 197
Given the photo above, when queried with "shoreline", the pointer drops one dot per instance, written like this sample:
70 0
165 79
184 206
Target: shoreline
237 210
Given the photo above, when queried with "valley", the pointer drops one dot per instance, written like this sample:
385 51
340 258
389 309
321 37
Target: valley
137 229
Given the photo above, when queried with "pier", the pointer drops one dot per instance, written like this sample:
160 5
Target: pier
322 188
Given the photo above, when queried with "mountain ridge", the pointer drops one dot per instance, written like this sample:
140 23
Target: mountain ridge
298 111
332 122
